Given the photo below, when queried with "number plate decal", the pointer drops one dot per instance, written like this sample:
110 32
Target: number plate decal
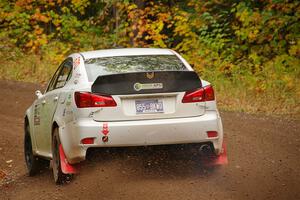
149 106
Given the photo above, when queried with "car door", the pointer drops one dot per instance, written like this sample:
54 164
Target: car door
49 103
40 136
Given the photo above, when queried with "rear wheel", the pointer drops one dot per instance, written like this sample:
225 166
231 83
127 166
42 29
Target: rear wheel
34 163
59 176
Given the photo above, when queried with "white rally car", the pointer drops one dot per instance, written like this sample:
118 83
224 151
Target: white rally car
119 97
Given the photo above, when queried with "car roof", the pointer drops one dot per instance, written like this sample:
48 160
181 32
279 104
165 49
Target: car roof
126 52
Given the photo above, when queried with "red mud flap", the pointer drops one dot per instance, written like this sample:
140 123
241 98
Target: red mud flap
213 160
67 168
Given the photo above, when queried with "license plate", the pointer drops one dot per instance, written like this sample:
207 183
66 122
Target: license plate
149 106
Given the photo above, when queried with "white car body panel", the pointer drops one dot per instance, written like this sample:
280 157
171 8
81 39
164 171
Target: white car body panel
140 133
180 123
125 52
173 108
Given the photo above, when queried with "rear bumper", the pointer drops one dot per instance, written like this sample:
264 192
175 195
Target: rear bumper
140 133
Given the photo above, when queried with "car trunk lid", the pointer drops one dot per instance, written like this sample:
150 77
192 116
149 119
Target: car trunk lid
147 95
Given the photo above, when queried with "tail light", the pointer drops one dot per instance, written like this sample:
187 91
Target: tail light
203 94
211 134
87 141
87 99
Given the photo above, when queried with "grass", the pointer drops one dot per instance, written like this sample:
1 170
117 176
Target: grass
240 97
29 68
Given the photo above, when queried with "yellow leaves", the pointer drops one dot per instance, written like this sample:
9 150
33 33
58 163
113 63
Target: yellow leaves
160 43
79 5
260 88
131 34
180 18
158 26
24 3
132 7
294 50
256 17
170 25
40 17
289 81
148 9
56 22
191 4
133 27
120 5
182 29
164 16
38 31
34 44
140 22
131 15
65 9
253 35
29 44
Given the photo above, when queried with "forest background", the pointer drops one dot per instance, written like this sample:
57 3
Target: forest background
249 50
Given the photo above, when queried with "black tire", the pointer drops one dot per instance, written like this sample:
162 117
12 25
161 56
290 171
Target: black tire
59 176
34 163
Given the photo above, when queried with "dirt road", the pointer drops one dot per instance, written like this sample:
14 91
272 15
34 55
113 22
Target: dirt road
263 153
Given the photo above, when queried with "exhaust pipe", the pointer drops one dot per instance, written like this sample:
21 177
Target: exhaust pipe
205 149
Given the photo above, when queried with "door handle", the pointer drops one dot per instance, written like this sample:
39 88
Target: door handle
55 98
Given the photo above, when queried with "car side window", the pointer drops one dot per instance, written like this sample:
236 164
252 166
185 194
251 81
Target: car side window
64 74
67 64
54 77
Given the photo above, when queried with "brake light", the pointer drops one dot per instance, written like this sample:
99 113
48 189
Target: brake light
200 95
87 99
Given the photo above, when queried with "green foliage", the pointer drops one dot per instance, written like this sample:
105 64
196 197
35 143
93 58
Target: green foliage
249 50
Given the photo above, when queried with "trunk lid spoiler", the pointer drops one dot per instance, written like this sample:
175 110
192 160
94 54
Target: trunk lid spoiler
146 82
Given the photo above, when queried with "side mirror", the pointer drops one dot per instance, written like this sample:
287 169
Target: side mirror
38 94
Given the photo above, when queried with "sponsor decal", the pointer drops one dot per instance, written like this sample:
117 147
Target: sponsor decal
76 62
91 114
147 86
64 113
36 120
77 75
105 130
36 115
150 75
105 138
69 100
67 112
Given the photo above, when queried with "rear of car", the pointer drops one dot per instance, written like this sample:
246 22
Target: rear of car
140 99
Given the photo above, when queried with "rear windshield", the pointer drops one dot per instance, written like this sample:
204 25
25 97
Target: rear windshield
122 64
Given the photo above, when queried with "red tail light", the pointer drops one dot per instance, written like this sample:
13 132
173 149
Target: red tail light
209 93
203 94
87 99
87 141
212 134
